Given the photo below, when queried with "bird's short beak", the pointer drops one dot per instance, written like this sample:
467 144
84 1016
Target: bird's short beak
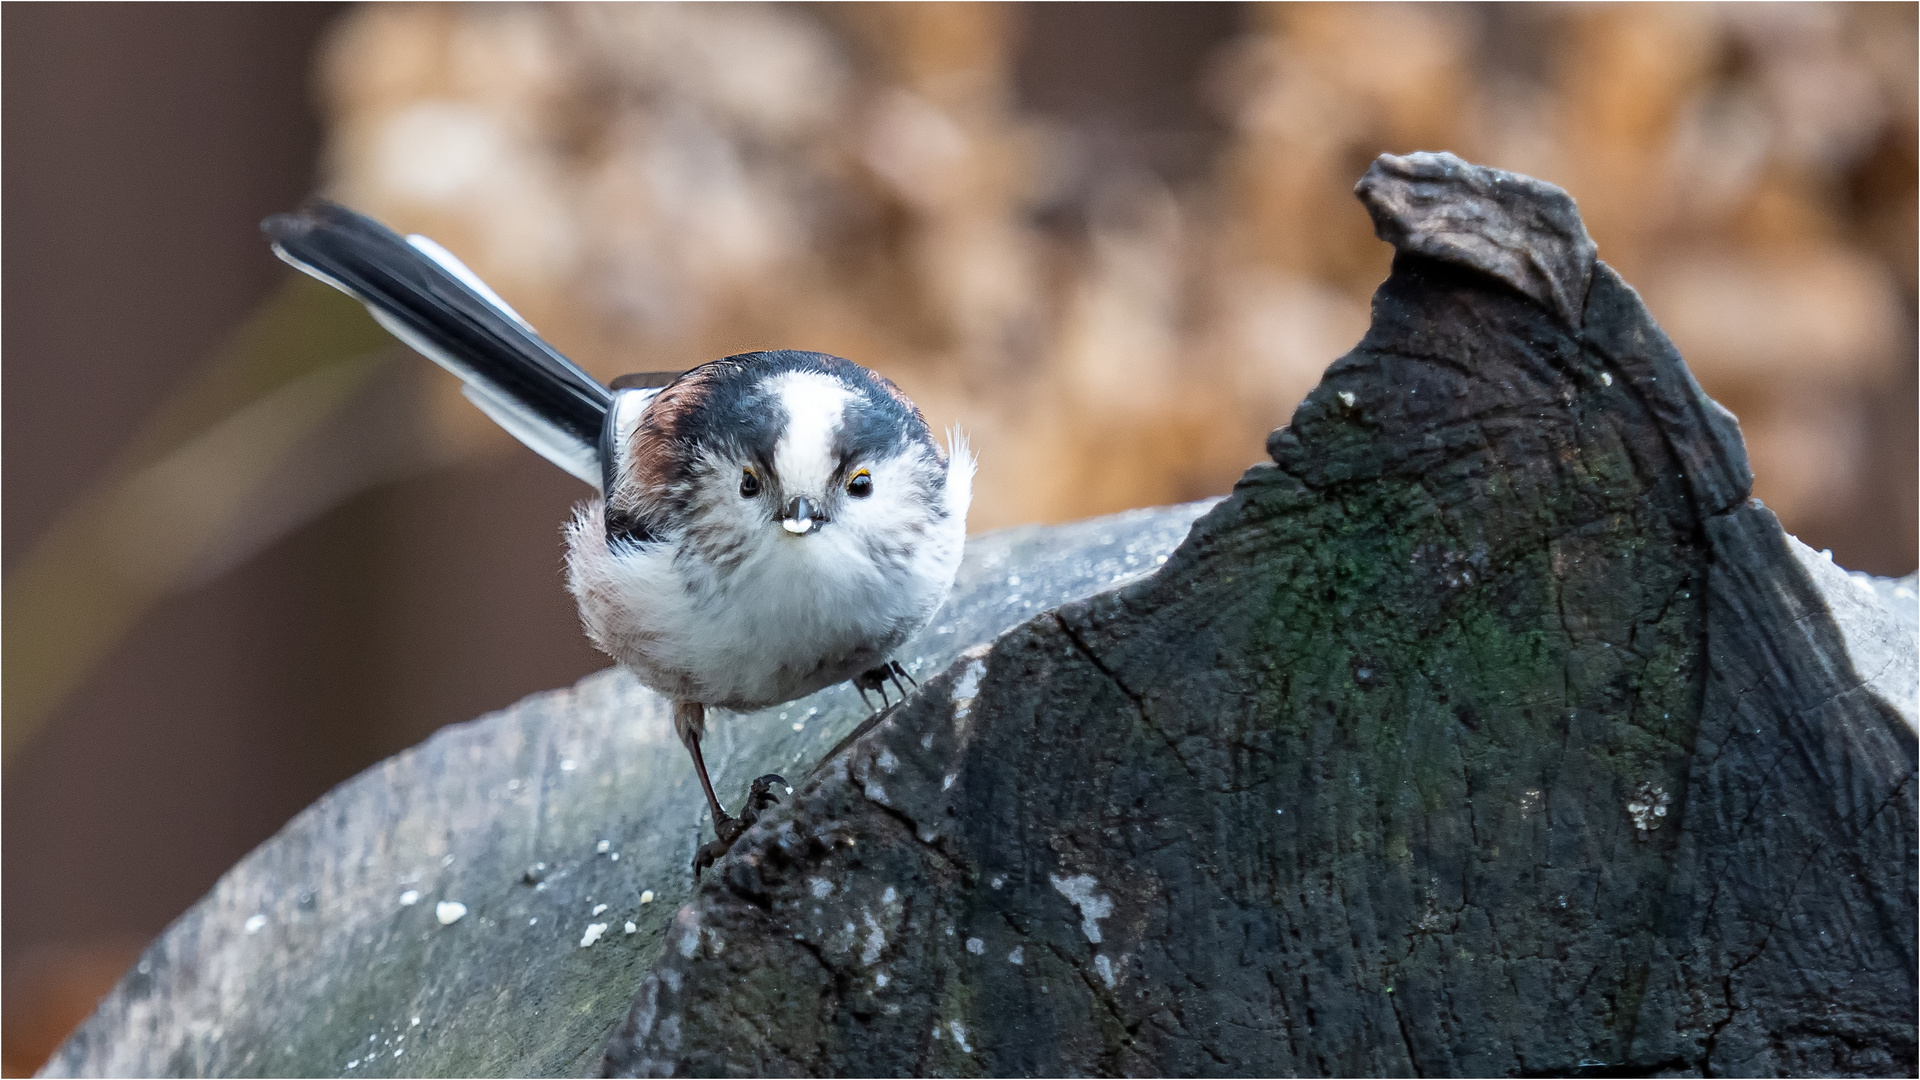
801 516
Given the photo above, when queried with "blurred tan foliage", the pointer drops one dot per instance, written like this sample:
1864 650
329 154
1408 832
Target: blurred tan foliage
656 185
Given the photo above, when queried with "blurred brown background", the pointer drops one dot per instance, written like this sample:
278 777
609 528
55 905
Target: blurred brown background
251 548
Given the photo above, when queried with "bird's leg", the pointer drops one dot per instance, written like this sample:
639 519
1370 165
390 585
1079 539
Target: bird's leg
690 720
902 672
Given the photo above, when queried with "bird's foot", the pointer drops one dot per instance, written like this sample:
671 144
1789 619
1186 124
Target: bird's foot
728 829
878 678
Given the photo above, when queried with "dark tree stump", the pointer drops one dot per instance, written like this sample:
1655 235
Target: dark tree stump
1490 730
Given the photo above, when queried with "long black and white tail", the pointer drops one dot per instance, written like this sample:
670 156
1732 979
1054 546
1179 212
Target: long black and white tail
430 300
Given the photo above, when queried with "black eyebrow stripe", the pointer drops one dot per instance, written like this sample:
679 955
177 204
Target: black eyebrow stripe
871 428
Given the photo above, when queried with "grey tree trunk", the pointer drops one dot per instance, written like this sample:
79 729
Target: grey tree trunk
1491 729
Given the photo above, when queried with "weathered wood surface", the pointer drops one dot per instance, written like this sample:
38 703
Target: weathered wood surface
1490 730
329 980
1366 779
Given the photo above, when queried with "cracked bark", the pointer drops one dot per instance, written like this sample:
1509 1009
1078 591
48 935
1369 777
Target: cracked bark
571 808
1374 727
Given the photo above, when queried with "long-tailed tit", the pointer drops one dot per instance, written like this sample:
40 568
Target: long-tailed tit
767 524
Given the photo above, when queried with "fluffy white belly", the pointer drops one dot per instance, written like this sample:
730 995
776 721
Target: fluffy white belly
787 617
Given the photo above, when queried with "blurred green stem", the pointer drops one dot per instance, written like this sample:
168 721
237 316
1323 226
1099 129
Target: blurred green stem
130 538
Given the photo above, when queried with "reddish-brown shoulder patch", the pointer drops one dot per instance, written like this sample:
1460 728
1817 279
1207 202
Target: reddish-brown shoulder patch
655 447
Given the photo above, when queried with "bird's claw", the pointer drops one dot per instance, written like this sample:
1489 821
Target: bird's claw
708 854
760 796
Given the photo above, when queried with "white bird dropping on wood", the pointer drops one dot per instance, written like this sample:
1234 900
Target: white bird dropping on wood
449 912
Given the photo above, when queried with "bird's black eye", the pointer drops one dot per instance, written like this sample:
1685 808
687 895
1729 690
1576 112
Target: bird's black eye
861 485
749 484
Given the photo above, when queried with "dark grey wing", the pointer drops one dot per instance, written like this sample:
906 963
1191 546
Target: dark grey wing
645 380
430 300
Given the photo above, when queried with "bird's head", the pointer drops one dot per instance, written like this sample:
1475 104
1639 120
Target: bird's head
784 447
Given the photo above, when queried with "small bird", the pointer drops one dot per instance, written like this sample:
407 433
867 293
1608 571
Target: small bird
766 525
